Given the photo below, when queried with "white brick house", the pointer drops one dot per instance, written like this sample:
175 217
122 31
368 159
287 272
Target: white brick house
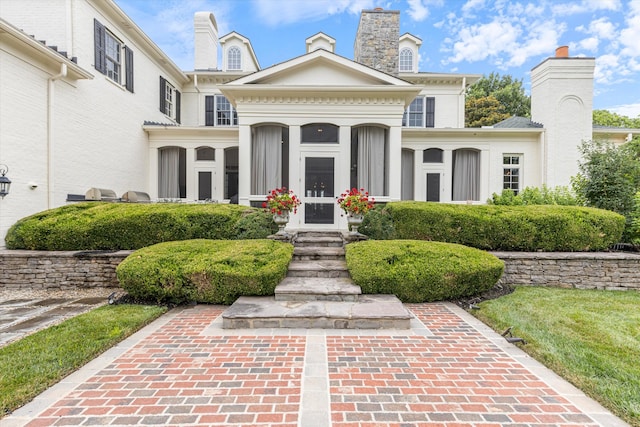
113 111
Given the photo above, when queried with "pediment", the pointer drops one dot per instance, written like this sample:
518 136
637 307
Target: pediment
320 68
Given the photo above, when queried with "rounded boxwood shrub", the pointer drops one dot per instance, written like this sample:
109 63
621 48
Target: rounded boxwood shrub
419 271
508 228
205 271
117 226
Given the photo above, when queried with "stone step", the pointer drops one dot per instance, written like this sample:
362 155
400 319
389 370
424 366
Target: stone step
318 253
369 312
318 268
319 241
317 289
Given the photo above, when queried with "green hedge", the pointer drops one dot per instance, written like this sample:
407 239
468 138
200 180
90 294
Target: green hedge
507 228
205 271
117 226
419 271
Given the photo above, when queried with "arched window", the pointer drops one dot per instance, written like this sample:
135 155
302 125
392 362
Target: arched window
234 59
205 153
432 155
406 60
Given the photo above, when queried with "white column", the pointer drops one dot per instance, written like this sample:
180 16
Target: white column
218 192
295 169
153 172
244 164
190 173
395 163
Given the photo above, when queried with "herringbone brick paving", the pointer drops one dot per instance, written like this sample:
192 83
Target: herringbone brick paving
184 374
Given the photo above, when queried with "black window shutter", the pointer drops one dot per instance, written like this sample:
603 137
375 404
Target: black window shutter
209 111
98 42
163 95
128 58
430 111
178 106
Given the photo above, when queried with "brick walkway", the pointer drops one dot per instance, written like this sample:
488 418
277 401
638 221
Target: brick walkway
448 370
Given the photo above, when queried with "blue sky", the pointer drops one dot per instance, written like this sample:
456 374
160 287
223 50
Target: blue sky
459 36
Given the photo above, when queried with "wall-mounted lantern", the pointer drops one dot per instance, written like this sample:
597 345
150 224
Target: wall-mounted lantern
5 182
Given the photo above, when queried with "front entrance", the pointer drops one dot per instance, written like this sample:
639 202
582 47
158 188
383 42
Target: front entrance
319 207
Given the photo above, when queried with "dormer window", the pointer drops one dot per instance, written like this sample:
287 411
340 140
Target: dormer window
406 60
234 59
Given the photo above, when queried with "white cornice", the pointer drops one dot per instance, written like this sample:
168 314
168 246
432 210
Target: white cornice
47 54
470 132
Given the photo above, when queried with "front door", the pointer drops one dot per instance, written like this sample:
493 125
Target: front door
319 207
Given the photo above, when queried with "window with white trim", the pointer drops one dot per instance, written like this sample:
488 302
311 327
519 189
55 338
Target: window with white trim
108 57
511 164
169 100
421 112
234 59
406 60
218 111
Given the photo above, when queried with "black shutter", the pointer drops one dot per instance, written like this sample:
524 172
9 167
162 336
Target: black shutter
430 110
163 95
209 111
177 106
128 64
98 43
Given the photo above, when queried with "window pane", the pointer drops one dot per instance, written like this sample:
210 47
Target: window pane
406 60
205 153
234 59
225 114
319 133
432 155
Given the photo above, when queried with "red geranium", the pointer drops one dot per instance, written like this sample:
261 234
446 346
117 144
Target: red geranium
356 201
281 200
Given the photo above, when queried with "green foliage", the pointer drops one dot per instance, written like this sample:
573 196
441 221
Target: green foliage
254 224
586 336
31 365
418 271
509 93
609 177
205 271
634 231
484 111
560 195
508 228
378 224
607 118
116 226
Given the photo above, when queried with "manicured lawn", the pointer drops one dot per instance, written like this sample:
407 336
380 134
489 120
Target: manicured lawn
591 338
34 363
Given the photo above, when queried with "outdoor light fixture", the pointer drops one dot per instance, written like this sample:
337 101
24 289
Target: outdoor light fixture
5 182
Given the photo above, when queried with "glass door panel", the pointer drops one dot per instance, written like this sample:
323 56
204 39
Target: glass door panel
319 183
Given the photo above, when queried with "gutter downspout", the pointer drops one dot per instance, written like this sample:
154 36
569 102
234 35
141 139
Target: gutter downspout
195 85
50 136
463 99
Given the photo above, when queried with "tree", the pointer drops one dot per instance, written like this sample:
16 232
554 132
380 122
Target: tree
609 177
607 118
509 93
484 111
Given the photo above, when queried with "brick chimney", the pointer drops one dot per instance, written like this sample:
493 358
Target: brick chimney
377 40
205 41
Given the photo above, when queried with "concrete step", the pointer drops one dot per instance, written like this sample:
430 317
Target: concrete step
318 268
317 289
318 241
370 312
318 253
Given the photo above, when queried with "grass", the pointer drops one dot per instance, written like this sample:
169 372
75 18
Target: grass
34 363
591 338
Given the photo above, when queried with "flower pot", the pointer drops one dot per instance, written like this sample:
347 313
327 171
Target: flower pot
281 220
354 220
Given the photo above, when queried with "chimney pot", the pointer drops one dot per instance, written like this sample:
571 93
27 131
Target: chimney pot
562 52
378 9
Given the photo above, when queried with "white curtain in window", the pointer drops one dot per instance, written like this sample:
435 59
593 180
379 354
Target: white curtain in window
266 159
407 174
466 175
371 159
168 173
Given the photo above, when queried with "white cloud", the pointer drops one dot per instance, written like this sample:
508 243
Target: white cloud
630 36
542 38
274 12
479 42
585 6
606 68
589 44
629 110
472 6
417 10
603 28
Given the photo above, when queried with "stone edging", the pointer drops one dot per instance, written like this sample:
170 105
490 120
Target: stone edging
87 269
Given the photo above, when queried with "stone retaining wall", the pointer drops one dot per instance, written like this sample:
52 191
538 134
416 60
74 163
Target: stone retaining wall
86 269
584 270
60 270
